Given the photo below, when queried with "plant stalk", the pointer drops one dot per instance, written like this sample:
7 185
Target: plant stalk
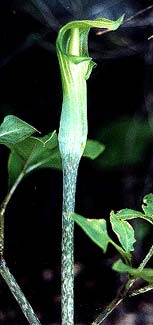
4 270
75 67
2 211
146 259
18 294
125 293
70 168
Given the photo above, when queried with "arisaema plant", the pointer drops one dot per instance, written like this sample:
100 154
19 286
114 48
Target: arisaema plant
75 66
29 152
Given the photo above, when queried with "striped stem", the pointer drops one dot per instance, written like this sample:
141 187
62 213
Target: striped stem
70 169
18 294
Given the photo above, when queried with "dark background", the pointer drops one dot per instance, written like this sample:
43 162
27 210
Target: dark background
119 91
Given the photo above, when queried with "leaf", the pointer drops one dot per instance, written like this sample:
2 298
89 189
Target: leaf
124 232
95 229
14 130
33 153
43 152
148 206
142 231
127 214
146 274
126 142
93 149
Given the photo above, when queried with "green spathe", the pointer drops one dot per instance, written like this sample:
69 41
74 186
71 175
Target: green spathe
76 66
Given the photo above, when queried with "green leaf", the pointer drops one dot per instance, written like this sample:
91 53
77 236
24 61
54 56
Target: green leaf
148 206
43 152
124 232
33 153
142 231
95 229
93 149
14 130
146 274
127 214
126 142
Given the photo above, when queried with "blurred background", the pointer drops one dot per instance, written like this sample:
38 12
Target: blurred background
120 115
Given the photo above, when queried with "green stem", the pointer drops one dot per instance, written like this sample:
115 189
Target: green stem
146 259
108 310
70 168
2 211
4 270
141 290
131 281
18 294
124 293
75 66
114 304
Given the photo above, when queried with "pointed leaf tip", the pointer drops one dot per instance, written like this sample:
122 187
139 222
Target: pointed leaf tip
95 228
119 21
14 130
33 154
124 232
93 149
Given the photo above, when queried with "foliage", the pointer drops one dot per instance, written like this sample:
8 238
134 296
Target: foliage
29 153
96 229
146 274
126 142
14 130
